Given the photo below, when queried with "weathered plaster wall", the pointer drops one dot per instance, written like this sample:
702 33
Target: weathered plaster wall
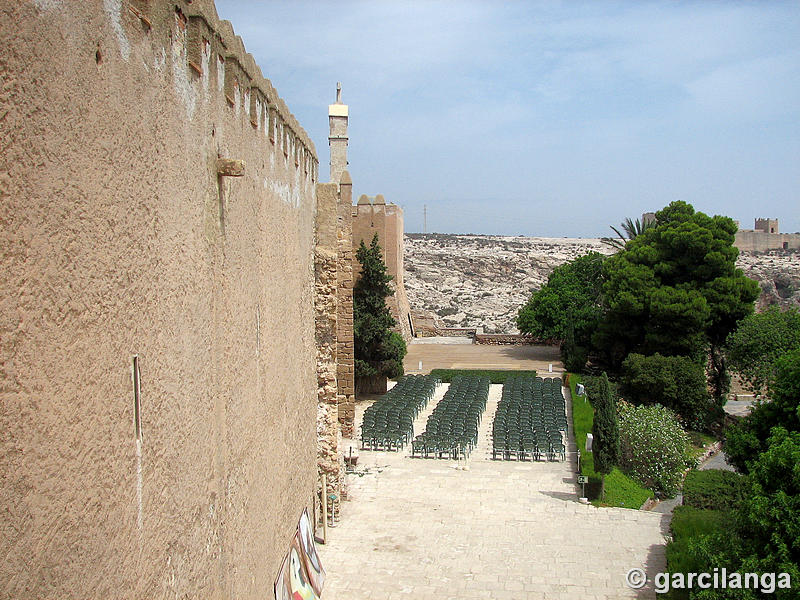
117 240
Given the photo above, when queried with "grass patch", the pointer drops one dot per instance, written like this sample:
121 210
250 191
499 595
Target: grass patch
700 439
688 524
621 490
495 376
698 442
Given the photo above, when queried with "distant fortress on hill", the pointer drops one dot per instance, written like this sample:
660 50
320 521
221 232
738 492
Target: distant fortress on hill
763 237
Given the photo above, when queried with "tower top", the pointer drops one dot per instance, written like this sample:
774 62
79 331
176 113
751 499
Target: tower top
338 109
337 140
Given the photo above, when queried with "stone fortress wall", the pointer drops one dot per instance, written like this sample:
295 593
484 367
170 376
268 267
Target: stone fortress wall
371 216
158 390
765 236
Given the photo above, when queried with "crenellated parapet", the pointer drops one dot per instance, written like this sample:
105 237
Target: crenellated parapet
764 237
158 279
210 50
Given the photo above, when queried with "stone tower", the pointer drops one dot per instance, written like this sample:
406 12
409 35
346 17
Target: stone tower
337 140
767 225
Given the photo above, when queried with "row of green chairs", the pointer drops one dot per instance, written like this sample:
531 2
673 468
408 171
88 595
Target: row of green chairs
388 424
530 421
452 428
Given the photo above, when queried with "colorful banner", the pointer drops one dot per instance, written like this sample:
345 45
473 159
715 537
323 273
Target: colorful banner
301 576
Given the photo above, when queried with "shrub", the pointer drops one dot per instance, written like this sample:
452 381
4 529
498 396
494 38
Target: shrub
690 526
714 489
676 382
447 375
653 446
746 439
761 535
769 518
575 358
593 387
759 341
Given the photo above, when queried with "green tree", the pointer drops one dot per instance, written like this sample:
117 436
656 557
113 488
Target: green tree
567 307
605 429
378 351
759 341
676 382
763 533
769 523
675 290
632 228
745 440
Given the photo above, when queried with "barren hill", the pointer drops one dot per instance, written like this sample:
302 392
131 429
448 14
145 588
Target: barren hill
481 281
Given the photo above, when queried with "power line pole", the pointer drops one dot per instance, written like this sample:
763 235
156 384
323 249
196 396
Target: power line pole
424 218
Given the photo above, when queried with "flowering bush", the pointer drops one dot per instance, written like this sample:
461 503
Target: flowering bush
652 446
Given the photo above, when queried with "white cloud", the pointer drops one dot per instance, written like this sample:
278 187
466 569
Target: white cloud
624 102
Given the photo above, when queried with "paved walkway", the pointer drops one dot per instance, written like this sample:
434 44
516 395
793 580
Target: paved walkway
718 461
739 408
434 529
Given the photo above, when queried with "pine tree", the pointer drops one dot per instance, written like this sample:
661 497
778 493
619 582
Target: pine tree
605 429
378 350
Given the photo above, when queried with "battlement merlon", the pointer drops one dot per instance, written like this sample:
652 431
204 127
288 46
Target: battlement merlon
222 30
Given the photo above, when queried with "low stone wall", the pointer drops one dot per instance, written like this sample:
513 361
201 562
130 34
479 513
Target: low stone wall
501 339
457 331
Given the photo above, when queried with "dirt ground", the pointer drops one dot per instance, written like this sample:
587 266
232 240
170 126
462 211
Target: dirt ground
458 353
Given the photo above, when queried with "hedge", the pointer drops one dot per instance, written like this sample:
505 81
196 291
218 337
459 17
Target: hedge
714 489
447 375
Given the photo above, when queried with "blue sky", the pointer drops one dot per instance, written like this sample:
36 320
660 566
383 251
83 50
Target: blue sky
546 118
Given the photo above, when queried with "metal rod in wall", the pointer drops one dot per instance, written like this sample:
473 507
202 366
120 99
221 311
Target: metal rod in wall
324 509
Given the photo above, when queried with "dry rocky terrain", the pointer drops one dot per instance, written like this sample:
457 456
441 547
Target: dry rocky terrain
481 281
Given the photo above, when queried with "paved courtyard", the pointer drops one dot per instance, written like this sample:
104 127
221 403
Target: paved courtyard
432 529
461 353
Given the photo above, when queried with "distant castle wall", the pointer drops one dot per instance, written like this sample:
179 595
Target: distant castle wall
158 393
764 237
371 216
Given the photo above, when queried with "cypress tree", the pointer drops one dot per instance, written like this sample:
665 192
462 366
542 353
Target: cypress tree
378 351
605 429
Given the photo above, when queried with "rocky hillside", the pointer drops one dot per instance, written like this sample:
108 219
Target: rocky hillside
778 274
481 281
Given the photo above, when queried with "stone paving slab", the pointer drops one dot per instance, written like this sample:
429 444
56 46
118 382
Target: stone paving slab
429 528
